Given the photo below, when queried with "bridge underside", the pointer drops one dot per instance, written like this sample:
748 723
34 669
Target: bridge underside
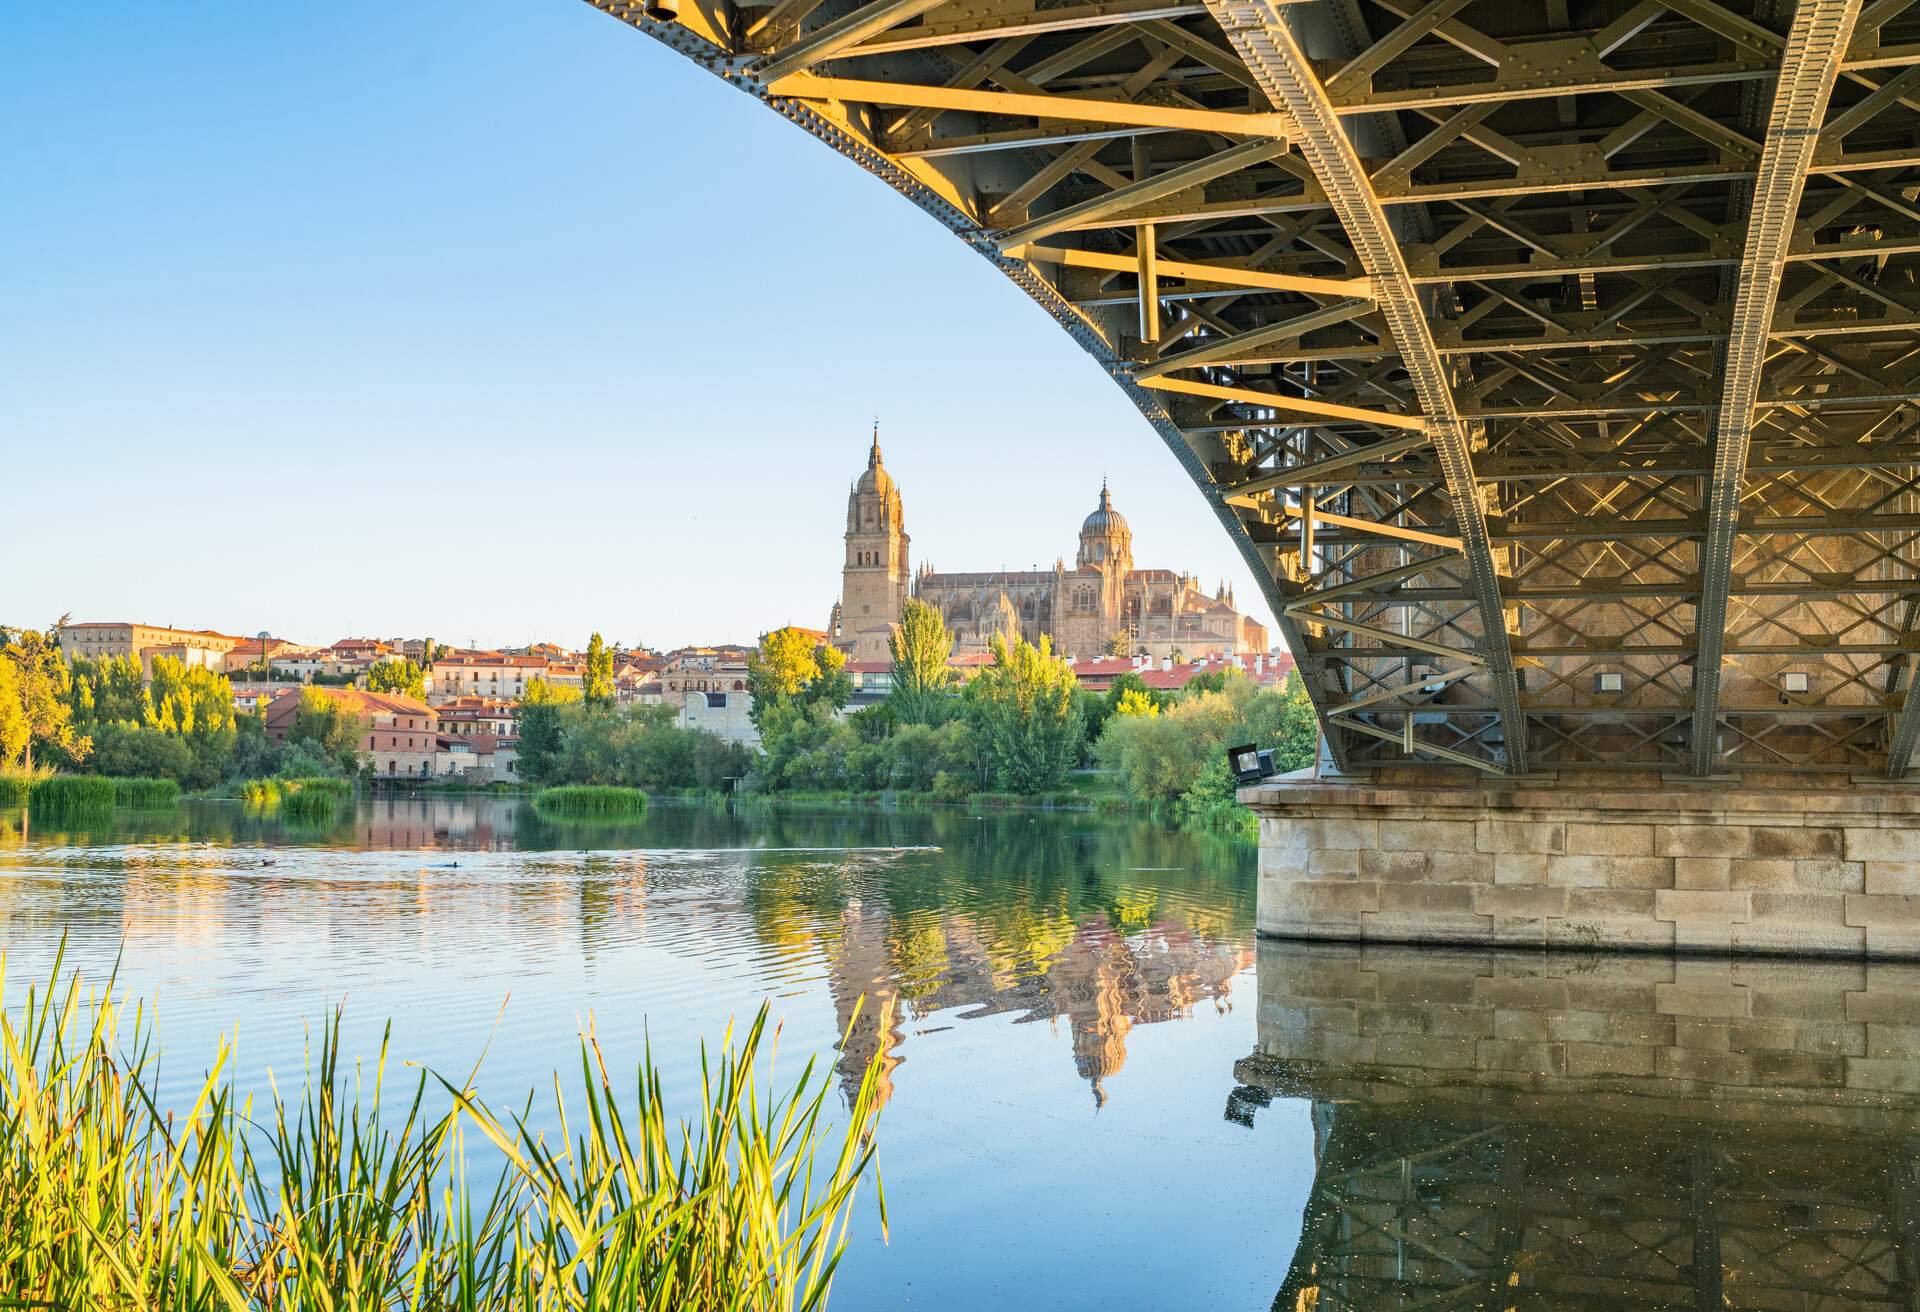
1552 362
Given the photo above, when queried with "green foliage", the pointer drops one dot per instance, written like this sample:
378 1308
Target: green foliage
328 730
180 725
1210 801
630 747
338 1195
791 677
70 794
540 718
276 791
1297 739
599 689
922 682
1179 755
145 792
402 677
37 698
591 799
16 732
1022 709
310 805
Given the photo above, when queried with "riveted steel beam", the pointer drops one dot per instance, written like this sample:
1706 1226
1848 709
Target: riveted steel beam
1816 44
1228 349
808 86
823 44
1299 405
1260 33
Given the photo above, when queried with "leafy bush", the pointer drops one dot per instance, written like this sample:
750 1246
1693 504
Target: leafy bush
1178 756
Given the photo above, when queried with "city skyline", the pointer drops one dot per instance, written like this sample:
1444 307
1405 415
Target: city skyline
344 318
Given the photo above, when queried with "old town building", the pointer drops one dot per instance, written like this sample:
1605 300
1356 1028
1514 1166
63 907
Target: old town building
401 732
488 674
99 640
1100 603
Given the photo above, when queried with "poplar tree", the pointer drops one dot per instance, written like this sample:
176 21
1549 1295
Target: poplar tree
920 647
598 687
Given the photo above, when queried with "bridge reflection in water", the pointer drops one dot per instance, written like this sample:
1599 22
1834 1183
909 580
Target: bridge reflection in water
1523 1131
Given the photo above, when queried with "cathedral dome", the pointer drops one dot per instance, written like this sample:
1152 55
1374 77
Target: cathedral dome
1105 540
1105 519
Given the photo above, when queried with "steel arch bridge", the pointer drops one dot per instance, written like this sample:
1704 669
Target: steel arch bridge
1554 363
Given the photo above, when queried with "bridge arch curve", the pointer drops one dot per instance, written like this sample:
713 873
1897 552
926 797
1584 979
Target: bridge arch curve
1554 373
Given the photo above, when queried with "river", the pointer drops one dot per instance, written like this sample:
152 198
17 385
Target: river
1101 1091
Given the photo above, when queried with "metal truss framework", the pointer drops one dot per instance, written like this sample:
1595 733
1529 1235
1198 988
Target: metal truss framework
1554 363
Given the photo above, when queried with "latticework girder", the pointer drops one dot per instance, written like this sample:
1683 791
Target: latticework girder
1554 363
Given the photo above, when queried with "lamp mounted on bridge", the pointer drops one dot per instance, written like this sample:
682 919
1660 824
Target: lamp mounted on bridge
1251 764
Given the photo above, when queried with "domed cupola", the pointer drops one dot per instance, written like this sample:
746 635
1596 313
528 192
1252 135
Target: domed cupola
1105 539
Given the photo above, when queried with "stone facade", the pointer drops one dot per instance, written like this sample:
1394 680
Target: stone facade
103 640
1158 612
1698 869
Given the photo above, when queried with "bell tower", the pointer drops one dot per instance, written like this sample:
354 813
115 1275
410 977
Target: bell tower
874 577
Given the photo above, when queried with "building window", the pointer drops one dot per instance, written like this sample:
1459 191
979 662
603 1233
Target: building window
716 701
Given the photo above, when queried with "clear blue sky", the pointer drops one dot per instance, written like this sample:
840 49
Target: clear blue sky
494 320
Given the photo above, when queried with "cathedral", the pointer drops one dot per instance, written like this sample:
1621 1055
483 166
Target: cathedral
1102 605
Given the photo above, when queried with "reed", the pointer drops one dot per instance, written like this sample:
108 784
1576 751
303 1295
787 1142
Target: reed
310 797
145 792
590 799
14 788
341 1196
71 794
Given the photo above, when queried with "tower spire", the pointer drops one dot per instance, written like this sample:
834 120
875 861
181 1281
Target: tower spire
873 456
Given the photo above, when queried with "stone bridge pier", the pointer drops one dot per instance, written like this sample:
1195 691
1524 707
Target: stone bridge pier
1627 862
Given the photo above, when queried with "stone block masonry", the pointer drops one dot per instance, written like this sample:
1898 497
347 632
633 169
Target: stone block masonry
1652 865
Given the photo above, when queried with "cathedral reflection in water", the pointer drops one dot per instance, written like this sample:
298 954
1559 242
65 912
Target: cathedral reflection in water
1498 1130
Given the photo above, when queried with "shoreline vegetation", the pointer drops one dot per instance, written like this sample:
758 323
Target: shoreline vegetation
591 800
1021 732
342 1191
310 798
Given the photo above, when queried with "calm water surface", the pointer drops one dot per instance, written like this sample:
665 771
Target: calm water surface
1100 1091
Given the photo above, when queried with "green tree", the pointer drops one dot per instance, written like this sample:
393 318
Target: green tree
1120 644
1023 709
541 719
326 727
403 677
15 731
922 680
43 681
791 673
1296 740
599 678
